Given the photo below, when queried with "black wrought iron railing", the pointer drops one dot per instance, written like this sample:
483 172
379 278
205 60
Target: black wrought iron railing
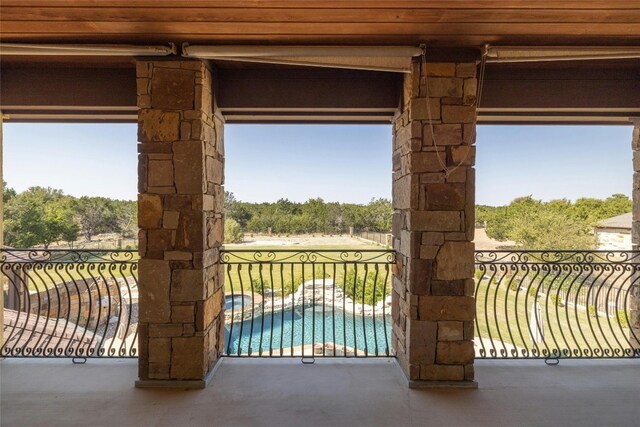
556 304
332 303
69 303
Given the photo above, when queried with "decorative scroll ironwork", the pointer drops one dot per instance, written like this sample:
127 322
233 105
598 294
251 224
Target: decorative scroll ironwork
306 303
557 257
556 304
284 256
69 303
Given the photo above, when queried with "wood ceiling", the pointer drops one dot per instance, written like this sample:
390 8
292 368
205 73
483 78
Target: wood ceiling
441 23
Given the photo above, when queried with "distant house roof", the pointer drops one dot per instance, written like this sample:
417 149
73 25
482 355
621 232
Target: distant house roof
619 222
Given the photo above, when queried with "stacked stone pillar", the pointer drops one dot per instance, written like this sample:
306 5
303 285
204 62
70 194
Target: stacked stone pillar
181 160
433 225
634 302
2 280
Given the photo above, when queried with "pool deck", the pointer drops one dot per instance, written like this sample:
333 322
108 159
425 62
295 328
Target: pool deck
310 351
330 392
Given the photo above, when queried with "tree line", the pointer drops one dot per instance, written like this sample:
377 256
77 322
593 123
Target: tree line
557 224
40 216
312 216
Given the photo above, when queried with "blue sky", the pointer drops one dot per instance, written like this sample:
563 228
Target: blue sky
338 163
552 162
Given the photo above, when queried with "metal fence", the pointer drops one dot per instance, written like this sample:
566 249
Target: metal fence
555 304
384 239
69 303
333 303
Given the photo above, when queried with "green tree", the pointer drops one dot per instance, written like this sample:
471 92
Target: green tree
229 200
594 210
557 224
70 233
239 211
335 218
62 210
232 231
378 214
484 214
546 229
35 217
126 217
315 215
96 215
7 192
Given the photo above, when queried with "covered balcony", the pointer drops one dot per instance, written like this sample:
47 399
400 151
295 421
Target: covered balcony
429 331
552 331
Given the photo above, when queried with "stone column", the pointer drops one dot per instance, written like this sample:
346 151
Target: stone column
634 302
180 170
433 225
2 279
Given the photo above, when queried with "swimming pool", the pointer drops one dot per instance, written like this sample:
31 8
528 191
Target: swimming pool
293 327
236 301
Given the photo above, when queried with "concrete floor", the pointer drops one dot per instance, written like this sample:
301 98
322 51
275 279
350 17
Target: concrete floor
328 393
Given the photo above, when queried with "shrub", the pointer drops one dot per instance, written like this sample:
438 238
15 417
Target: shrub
356 287
260 286
592 311
556 300
621 318
287 287
232 231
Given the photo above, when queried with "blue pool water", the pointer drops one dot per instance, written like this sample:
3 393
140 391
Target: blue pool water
236 301
295 327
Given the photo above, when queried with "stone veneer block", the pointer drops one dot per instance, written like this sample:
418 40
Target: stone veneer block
158 125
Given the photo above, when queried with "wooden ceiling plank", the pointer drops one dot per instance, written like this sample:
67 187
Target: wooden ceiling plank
336 4
318 15
267 29
329 39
